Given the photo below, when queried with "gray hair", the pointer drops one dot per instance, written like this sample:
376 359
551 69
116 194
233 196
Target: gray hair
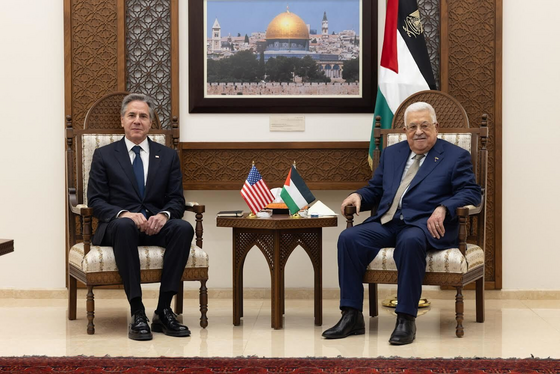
138 97
419 107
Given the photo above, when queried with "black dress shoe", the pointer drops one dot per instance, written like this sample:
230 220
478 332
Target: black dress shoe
166 322
138 328
404 332
351 323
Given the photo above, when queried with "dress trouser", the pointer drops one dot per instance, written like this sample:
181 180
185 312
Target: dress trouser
358 246
175 236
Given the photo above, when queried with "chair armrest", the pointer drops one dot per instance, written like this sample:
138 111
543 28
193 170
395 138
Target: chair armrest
349 211
195 208
472 210
86 215
198 210
79 209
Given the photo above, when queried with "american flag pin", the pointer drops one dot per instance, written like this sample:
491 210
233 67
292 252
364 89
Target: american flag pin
157 156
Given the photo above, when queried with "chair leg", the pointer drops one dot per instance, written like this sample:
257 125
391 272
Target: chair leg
203 304
373 307
90 307
179 299
480 300
72 297
459 309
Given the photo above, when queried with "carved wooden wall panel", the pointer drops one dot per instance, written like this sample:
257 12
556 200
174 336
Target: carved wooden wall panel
115 45
430 15
471 72
323 165
93 52
148 51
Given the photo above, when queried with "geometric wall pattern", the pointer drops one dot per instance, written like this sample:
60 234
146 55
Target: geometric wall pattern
148 52
430 16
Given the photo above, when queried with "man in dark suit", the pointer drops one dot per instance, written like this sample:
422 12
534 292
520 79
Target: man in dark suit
135 190
417 188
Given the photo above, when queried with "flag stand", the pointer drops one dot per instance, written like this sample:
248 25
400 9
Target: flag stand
251 215
295 216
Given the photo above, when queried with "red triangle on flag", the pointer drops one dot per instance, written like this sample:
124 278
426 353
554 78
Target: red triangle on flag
289 178
389 58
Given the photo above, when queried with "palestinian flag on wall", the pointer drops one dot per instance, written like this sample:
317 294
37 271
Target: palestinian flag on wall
295 193
405 64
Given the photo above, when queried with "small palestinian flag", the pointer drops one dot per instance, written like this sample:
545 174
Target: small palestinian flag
295 193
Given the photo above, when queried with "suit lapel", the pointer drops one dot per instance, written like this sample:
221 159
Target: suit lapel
433 159
121 154
153 166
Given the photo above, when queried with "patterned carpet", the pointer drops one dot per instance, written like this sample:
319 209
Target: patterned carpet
250 365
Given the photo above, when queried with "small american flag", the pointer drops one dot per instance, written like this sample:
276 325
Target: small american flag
256 192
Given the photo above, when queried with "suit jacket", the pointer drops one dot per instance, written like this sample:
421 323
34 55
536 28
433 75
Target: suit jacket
445 178
112 186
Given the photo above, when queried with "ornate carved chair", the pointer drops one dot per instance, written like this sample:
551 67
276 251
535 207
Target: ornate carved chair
95 265
454 267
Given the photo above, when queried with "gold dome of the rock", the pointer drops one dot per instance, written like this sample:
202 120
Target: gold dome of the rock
287 26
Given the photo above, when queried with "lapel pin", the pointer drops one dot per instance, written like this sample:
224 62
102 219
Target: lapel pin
157 156
436 158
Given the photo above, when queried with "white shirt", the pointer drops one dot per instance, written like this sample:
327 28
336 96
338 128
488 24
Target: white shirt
144 154
409 163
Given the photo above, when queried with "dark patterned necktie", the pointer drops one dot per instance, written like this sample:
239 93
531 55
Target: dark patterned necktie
138 167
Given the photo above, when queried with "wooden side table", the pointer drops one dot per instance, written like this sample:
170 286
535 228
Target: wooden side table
276 237
6 246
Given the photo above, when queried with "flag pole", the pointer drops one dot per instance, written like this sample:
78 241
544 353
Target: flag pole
251 214
296 214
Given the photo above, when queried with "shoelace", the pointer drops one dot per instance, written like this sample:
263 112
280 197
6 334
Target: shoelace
171 317
142 318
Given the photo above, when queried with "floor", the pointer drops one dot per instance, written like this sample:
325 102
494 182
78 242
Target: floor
513 328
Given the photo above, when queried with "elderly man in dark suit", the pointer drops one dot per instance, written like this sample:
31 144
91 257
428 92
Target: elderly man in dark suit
417 187
135 190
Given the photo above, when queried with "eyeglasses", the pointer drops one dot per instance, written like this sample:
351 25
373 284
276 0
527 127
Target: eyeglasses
424 126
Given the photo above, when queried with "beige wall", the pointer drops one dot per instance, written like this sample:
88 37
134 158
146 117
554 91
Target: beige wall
32 143
530 145
32 168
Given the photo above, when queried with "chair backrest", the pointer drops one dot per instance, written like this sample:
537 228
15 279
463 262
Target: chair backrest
105 113
450 113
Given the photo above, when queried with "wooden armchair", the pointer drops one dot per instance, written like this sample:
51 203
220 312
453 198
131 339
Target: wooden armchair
454 267
95 265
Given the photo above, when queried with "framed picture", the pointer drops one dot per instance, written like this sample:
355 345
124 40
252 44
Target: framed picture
270 56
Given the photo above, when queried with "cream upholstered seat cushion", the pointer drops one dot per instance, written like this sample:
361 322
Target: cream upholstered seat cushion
100 259
444 261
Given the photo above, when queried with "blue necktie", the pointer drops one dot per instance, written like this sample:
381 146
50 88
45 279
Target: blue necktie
138 167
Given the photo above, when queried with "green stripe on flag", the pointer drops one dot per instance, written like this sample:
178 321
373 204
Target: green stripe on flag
383 110
292 206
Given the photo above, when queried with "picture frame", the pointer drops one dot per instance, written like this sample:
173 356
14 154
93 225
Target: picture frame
199 102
